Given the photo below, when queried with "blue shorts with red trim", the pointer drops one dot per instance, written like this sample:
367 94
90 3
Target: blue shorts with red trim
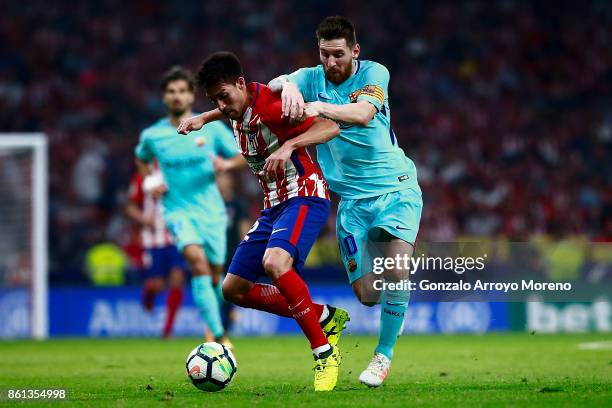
160 261
292 225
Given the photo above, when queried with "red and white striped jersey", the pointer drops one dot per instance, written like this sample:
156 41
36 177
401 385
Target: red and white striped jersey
157 236
260 132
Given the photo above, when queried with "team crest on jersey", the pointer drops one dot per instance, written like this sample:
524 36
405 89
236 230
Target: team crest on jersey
252 136
251 133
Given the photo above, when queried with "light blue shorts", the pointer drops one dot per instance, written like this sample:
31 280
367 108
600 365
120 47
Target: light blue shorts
187 229
359 223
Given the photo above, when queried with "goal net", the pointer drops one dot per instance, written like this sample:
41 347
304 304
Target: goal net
23 236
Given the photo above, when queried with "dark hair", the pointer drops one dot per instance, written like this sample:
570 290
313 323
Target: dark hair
177 73
336 27
220 66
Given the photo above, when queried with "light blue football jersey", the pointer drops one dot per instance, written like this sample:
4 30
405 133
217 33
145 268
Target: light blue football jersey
362 161
186 162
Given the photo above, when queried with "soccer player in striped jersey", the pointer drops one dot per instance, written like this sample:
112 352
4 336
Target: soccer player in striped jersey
381 200
162 261
192 204
296 205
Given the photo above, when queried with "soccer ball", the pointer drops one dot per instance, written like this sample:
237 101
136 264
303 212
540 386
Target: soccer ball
211 366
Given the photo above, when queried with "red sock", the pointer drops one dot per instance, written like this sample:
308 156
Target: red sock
173 302
295 292
268 299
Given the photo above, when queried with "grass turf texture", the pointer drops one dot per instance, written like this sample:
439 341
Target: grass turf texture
492 370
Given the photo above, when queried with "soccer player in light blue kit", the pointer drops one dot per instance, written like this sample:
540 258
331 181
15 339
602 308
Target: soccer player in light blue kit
192 204
381 200
380 196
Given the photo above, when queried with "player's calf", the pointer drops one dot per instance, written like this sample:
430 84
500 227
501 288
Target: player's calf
278 265
363 289
267 298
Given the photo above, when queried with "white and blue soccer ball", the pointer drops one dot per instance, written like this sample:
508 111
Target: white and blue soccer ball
211 366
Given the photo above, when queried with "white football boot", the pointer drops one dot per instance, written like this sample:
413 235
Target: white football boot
377 371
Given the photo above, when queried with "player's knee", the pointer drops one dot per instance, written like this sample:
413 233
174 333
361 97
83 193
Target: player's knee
198 263
176 283
276 262
156 284
194 253
274 267
231 294
396 275
200 268
176 278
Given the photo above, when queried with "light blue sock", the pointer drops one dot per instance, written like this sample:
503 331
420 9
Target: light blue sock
393 306
205 298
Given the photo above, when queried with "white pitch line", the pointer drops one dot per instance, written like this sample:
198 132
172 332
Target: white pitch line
596 345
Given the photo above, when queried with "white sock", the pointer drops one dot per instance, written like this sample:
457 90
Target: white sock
321 349
324 313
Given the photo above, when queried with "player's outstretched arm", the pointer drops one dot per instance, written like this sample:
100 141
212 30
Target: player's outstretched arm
359 113
197 122
321 131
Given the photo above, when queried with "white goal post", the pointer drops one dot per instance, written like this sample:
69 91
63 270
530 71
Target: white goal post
10 144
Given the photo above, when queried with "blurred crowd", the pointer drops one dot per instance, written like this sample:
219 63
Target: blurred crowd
505 106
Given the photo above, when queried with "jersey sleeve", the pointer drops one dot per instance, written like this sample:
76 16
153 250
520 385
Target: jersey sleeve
225 146
304 79
376 85
135 193
143 149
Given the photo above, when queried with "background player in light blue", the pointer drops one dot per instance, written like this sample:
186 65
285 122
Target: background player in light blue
192 204
380 196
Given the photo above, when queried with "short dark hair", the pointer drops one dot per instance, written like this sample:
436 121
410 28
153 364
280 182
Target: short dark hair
222 66
177 73
336 27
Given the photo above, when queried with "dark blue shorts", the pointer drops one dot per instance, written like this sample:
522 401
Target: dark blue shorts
160 261
293 226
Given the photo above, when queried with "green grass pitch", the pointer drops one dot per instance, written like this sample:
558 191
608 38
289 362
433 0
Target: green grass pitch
492 370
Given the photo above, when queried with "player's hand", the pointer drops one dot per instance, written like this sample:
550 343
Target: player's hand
275 163
191 124
293 101
159 191
312 108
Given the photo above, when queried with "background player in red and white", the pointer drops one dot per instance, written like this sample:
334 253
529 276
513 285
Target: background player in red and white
296 202
162 261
